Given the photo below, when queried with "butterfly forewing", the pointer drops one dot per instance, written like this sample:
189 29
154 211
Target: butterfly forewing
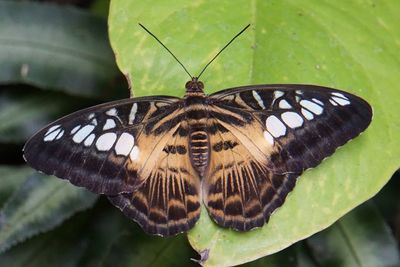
99 147
268 135
305 123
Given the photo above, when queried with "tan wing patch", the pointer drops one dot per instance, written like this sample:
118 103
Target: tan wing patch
239 190
168 201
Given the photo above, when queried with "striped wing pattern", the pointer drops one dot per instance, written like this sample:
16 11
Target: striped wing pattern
168 201
239 151
120 149
273 133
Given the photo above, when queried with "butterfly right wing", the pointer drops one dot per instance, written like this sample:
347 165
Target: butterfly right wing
106 148
263 138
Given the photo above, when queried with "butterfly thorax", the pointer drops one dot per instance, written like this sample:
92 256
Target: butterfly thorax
196 117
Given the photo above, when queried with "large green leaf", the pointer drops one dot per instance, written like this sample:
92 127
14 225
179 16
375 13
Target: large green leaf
39 108
352 45
83 240
55 47
361 238
38 205
63 246
11 177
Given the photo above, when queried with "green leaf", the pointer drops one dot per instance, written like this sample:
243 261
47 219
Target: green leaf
140 249
77 242
360 238
351 46
303 256
55 47
11 177
38 110
40 204
111 241
285 257
63 246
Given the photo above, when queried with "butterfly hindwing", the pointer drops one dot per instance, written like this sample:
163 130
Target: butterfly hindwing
99 148
265 137
239 190
168 201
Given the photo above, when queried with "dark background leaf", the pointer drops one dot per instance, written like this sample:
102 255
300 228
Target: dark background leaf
38 205
55 47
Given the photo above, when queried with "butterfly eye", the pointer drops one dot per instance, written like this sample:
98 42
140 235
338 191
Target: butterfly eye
194 85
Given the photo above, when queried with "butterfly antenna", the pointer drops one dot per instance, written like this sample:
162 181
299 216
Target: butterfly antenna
172 54
220 51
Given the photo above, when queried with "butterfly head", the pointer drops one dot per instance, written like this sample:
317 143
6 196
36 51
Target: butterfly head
194 86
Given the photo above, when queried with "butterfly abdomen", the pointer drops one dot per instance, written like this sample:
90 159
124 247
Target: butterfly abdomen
199 148
196 115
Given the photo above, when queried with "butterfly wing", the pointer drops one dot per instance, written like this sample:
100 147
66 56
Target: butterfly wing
263 138
167 202
134 151
104 147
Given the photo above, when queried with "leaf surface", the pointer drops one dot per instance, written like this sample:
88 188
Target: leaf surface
55 47
39 205
351 46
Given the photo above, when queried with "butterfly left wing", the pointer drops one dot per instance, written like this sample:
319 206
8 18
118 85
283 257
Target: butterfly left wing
105 147
263 138
135 151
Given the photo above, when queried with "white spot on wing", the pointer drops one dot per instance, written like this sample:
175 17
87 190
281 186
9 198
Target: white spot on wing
333 102
132 114
124 144
268 137
110 123
258 98
89 140
297 98
284 104
275 126
311 106
60 135
52 128
111 112
82 133
278 94
317 101
134 155
341 101
76 128
340 95
106 141
91 116
51 136
307 114
292 119
299 92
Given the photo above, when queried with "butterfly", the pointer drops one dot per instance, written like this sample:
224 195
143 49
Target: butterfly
238 151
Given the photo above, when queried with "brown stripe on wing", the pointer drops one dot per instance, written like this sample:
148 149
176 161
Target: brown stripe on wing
239 191
167 203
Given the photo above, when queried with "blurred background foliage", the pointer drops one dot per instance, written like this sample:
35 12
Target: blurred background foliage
55 58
